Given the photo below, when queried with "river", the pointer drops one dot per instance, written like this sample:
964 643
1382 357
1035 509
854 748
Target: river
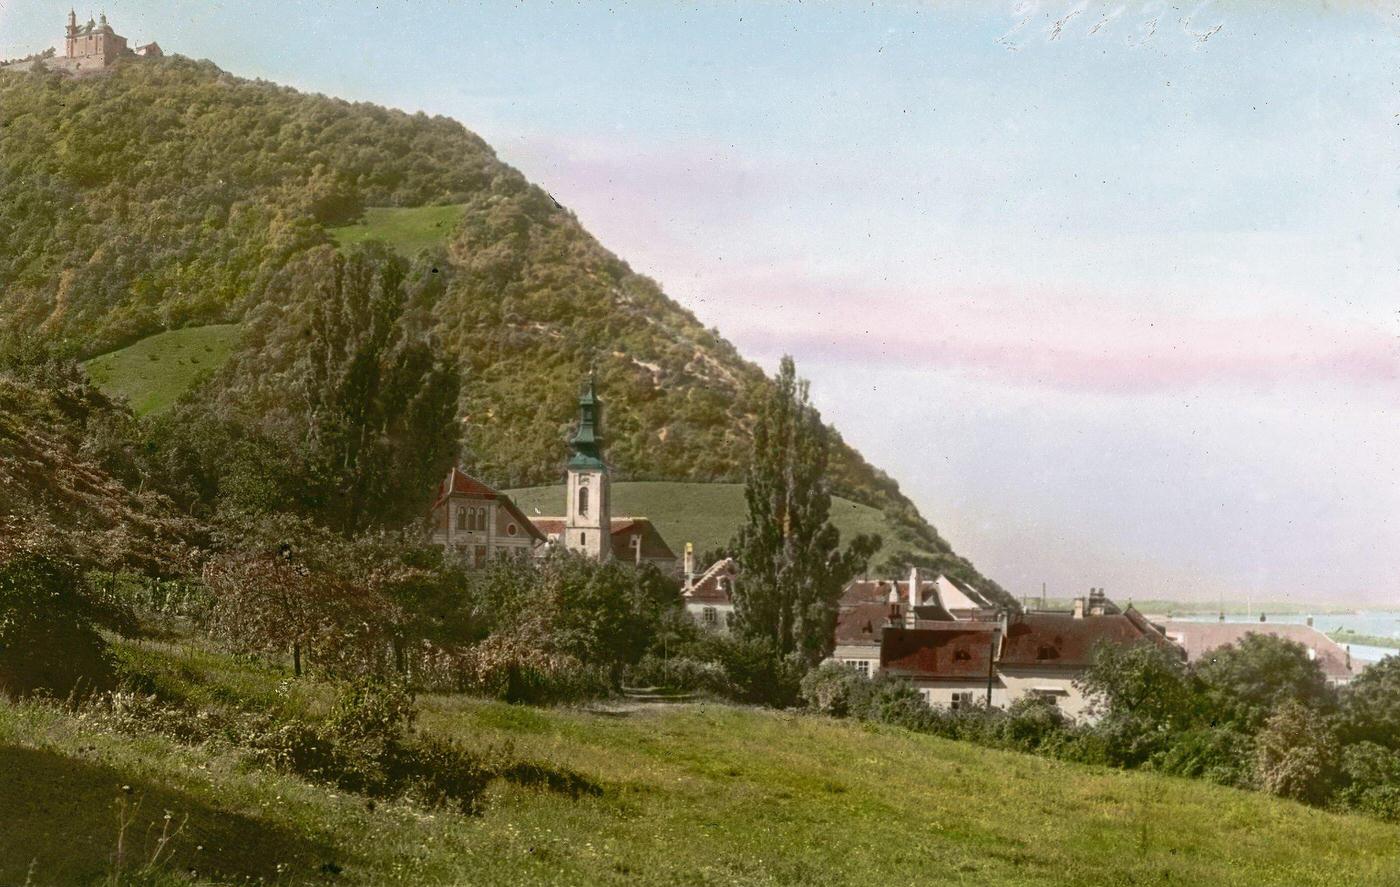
1385 623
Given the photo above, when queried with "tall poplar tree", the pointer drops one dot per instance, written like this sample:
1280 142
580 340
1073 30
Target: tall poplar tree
339 364
790 553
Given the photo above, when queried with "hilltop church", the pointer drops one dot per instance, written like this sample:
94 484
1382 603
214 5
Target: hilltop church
89 48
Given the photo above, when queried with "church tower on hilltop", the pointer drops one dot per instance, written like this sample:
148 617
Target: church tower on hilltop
588 518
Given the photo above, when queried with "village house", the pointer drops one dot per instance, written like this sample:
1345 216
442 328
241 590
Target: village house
478 523
90 48
709 597
867 605
958 649
1200 639
588 526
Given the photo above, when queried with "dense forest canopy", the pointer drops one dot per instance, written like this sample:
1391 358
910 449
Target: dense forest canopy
173 194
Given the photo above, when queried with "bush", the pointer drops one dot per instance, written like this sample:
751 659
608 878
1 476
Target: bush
753 670
1371 780
1031 723
48 638
1218 754
680 673
1296 754
895 701
836 689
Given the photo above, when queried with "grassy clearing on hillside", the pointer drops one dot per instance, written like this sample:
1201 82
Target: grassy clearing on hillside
696 794
706 514
406 229
154 372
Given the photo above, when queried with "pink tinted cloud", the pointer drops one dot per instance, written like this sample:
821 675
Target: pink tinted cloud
1037 338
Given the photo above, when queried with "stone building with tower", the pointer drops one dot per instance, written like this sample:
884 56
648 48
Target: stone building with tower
588 525
89 48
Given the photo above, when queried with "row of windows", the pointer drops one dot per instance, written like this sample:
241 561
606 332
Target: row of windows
471 518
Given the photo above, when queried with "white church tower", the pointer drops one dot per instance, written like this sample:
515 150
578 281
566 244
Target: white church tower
588 520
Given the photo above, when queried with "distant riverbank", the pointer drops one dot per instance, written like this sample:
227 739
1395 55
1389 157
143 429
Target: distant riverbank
1347 636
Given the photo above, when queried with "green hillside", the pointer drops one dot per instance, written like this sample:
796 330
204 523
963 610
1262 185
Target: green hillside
696 794
406 229
172 194
154 372
706 514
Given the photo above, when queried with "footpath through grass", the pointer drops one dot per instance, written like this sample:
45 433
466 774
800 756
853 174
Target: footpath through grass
406 229
693 794
706 514
154 372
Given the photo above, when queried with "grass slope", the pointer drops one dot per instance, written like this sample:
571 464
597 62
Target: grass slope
697 794
406 229
706 514
154 372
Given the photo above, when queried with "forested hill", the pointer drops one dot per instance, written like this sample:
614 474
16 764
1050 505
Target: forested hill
170 194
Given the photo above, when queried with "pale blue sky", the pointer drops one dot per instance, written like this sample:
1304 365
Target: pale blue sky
1109 287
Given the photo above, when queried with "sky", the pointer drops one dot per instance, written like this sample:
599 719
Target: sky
1110 288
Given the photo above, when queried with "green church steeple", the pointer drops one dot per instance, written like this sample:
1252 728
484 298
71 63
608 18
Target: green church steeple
586 443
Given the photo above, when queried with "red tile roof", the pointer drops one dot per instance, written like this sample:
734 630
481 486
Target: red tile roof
654 547
1058 640
1200 638
862 623
940 650
459 483
713 585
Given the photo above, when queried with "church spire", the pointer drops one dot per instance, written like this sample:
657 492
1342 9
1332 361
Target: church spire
586 443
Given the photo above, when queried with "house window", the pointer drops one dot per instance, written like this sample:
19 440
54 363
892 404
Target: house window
481 518
479 556
962 701
710 615
583 501
583 540
510 530
860 665
462 519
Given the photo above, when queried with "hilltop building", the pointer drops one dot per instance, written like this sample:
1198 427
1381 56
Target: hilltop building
87 49
588 525
478 523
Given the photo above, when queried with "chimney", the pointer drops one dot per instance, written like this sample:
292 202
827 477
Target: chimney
689 565
894 621
1263 617
910 616
1079 608
1310 625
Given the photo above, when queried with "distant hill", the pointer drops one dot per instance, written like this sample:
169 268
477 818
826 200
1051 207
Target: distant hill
168 194
706 514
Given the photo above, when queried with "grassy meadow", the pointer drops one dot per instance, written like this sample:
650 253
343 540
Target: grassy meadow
706 514
154 372
406 229
692 794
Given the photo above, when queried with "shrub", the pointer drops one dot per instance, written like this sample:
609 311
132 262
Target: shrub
895 701
754 672
1032 722
1296 754
1371 705
836 689
1371 780
48 639
680 673
1218 754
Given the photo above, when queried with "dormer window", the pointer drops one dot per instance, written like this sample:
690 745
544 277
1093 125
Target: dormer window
961 655
1046 652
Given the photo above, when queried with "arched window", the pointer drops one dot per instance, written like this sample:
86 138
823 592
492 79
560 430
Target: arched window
583 501
583 540
461 518
481 519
